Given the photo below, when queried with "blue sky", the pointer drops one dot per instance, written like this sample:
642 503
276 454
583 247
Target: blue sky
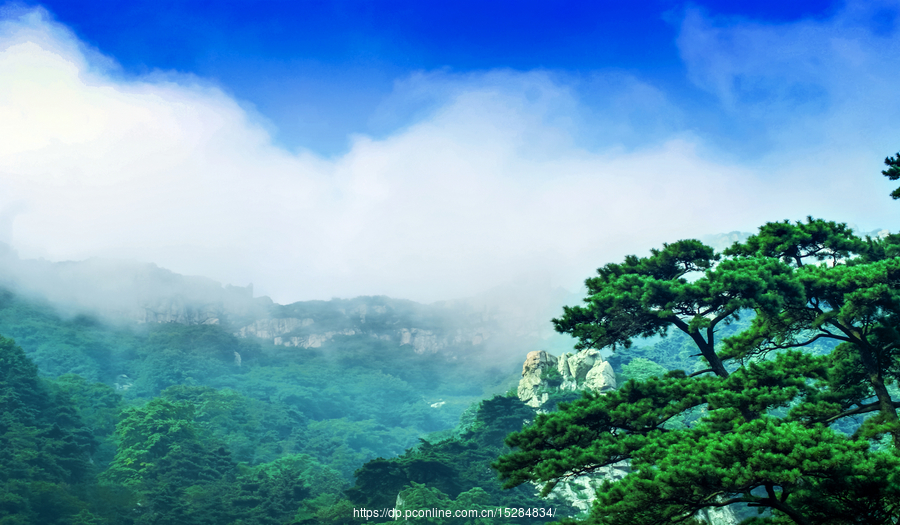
318 71
431 150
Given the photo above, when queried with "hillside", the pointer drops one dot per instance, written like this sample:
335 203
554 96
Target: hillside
314 390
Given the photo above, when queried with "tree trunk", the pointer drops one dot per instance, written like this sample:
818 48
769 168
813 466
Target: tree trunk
885 403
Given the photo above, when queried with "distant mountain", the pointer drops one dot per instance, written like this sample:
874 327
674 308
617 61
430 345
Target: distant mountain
504 323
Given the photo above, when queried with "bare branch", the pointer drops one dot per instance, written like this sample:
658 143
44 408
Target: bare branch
773 346
861 409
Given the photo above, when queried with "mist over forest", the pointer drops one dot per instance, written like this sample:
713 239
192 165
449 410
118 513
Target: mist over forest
133 394
315 389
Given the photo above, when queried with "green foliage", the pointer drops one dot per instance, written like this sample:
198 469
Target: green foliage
794 243
769 380
254 431
46 447
188 415
345 444
551 376
647 296
169 458
893 172
147 435
60 345
457 468
262 408
675 351
436 508
98 405
353 415
641 369
270 493
418 497
174 354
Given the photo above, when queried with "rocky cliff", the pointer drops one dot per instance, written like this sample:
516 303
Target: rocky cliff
424 330
544 373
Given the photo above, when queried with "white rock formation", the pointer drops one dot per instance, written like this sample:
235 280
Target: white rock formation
428 342
581 492
717 516
311 340
583 370
271 328
422 341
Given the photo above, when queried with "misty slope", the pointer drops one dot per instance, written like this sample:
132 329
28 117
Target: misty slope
119 290
349 379
501 324
323 386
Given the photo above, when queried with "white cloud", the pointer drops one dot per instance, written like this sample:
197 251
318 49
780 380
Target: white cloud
493 182
814 101
825 84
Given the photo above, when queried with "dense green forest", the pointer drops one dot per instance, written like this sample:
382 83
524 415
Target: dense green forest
174 423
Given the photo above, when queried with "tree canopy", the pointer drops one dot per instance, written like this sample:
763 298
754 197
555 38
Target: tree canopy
789 408
45 445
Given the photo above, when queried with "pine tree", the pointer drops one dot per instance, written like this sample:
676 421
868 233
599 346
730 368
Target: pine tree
763 404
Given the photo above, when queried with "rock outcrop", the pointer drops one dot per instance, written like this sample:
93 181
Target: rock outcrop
544 373
306 333
581 492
